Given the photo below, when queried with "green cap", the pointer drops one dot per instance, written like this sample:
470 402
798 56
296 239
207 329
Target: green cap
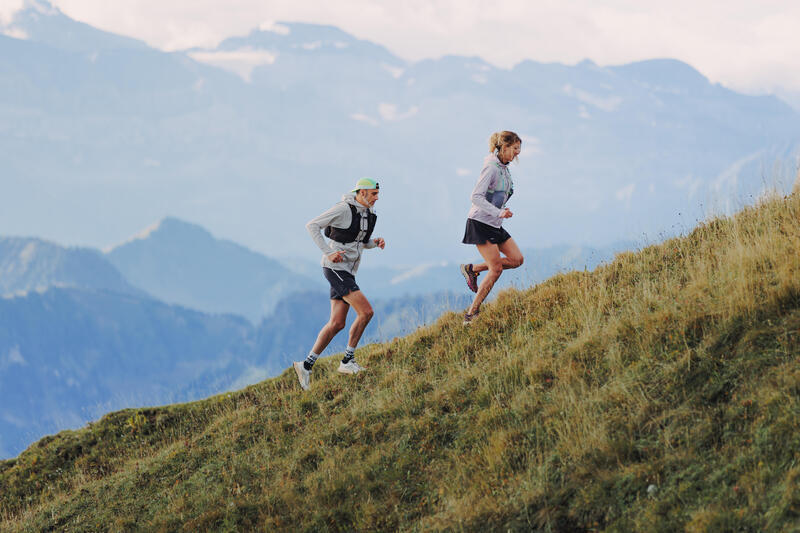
366 183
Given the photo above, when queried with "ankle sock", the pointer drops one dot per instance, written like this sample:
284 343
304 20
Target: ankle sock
349 353
310 360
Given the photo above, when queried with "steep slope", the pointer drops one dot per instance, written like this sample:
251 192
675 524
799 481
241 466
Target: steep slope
660 392
28 264
182 263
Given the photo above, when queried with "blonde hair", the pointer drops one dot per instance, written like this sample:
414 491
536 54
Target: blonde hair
500 139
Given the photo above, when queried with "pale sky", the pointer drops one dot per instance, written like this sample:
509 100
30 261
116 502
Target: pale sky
749 46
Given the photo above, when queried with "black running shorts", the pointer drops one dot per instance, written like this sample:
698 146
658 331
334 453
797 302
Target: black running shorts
342 283
479 233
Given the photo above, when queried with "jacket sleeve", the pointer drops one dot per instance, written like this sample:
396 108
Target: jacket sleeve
488 177
337 216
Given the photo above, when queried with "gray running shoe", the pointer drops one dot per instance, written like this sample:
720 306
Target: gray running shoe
303 375
350 368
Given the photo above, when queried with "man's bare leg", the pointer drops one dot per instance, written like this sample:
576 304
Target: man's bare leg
339 309
364 310
335 324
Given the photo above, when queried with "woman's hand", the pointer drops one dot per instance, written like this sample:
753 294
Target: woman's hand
506 213
336 257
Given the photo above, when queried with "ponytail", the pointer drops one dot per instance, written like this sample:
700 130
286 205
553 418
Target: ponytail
499 139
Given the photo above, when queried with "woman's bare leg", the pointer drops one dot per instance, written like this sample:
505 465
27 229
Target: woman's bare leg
513 257
494 264
494 267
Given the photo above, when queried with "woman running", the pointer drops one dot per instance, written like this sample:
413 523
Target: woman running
485 220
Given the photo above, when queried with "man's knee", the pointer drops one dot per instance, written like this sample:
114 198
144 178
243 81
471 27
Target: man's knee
336 324
366 314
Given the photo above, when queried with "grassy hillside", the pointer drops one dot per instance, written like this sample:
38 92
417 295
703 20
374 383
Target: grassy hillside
657 393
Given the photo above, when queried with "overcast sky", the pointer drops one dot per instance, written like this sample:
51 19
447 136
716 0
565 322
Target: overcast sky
747 45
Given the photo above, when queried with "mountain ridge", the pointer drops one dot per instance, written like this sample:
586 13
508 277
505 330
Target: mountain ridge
169 134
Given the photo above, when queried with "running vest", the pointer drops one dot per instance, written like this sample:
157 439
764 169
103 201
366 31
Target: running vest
365 222
505 188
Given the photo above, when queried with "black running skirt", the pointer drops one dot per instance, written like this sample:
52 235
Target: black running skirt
479 233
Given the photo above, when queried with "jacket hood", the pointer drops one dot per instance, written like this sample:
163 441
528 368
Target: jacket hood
492 158
350 198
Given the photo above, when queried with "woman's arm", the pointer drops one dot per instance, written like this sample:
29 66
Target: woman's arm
487 179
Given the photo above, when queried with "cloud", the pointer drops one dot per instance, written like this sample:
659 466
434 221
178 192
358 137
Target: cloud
274 27
7 10
625 194
361 117
14 357
389 112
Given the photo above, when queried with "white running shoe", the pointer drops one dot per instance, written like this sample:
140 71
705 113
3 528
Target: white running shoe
303 375
350 368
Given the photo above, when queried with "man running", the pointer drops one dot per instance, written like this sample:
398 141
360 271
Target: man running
349 225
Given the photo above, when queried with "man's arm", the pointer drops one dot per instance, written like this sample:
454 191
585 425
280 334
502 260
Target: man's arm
337 216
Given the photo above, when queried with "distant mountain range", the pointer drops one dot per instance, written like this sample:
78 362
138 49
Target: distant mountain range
30 264
102 134
184 264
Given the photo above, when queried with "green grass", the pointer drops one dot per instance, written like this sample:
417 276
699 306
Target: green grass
677 367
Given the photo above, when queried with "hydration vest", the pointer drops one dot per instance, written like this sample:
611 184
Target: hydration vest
505 188
360 223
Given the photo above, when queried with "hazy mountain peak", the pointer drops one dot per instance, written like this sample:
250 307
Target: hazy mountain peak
664 72
40 21
167 229
288 42
183 263
41 6
305 38
30 264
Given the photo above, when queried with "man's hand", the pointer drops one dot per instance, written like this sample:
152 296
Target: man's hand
506 213
336 257
380 243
